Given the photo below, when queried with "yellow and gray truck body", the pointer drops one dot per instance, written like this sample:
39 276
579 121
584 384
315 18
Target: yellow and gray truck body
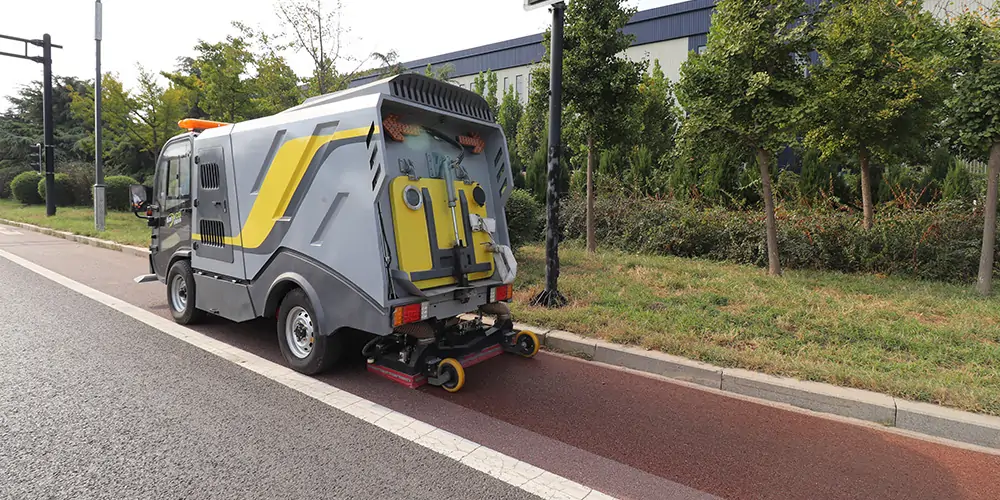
377 209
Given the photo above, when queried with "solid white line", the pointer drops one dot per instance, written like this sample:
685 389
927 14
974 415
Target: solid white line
491 462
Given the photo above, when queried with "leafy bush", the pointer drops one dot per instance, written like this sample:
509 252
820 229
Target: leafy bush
939 243
6 176
116 193
821 179
787 187
578 181
81 182
524 218
24 188
958 184
64 190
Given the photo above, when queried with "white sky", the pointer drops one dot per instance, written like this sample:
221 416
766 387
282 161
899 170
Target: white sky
155 32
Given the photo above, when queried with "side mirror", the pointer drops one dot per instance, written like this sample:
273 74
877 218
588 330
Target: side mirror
139 196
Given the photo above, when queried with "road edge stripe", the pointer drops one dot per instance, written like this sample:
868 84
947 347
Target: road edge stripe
512 471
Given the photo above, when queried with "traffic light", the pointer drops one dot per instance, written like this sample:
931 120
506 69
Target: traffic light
36 157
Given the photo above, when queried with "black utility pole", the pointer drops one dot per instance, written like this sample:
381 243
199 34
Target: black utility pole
50 161
550 297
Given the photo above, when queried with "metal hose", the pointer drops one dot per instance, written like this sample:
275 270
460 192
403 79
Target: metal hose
499 309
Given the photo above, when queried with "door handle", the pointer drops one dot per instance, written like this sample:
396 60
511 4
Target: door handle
224 204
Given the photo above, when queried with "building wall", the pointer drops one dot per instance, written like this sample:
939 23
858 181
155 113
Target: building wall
670 53
952 7
514 77
666 33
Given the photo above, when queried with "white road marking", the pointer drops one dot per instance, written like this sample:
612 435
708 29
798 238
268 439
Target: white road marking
9 232
510 470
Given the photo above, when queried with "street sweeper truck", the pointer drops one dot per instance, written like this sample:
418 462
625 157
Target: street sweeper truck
376 209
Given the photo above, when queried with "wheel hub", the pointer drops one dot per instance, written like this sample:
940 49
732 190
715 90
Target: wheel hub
178 293
299 332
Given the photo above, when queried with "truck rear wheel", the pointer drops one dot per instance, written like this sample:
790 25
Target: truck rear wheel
181 294
302 345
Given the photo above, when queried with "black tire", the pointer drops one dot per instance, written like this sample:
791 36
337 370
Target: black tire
325 350
189 314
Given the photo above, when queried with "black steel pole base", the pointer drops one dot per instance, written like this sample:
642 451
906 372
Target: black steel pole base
549 298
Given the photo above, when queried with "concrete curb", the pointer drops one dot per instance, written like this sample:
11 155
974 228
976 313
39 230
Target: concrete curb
924 418
86 240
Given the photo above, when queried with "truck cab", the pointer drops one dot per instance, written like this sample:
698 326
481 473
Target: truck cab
171 205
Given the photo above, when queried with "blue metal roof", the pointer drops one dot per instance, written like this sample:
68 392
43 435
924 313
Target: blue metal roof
685 19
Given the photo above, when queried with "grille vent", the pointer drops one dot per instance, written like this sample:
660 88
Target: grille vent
441 95
212 232
209 173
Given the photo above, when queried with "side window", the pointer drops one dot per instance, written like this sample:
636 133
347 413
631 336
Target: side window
174 182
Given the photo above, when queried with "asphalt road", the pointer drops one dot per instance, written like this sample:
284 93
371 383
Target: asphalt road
628 435
98 405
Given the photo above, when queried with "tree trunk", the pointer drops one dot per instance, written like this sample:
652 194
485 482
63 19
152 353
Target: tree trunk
866 189
764 162
985 285
591 240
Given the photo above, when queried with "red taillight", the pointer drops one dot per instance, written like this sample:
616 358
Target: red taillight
501 293
412 313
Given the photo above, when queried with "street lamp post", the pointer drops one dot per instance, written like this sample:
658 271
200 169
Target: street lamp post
99 203
550 296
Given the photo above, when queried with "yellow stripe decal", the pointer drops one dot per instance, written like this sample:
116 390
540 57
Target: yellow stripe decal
282 179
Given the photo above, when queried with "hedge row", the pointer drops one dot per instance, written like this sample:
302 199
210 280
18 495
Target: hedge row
74 186
939 243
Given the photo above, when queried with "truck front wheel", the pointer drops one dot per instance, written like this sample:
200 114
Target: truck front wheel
181 294
302 345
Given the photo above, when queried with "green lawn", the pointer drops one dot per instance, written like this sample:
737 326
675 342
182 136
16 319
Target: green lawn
123 227
917 340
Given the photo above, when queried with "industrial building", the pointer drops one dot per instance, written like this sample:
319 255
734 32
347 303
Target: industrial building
668 34
665 33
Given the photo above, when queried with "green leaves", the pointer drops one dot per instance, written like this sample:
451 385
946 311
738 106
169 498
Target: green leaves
876 86
748 84
485 84
598 83
975 68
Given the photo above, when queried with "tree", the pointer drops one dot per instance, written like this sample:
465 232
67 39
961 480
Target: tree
975 67
657 113
442 72
598 83
876 86
319 33
21 124
531 126
137 123
275 84
225 81
508 117
240 78
657 123
485 84
748 85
